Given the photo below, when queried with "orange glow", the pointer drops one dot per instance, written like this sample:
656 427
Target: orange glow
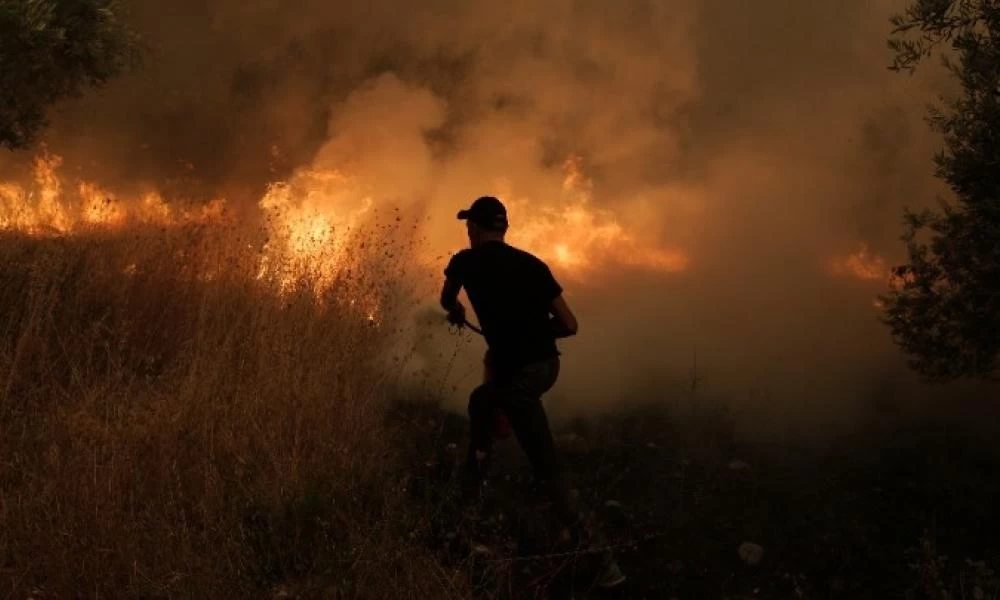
37 209
309 221
48 206
99 206
312 219
863 264
580 238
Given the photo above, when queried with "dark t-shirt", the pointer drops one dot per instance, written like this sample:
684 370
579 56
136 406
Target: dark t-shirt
512 293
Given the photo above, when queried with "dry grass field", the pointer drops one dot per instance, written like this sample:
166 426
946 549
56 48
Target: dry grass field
176 425
178 422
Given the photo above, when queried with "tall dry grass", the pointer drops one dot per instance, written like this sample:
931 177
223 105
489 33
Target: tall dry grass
172 425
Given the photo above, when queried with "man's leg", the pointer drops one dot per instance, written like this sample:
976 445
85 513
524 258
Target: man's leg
531 426
527 416
482 402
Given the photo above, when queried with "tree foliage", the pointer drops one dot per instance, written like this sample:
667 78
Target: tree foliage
944 305
51 50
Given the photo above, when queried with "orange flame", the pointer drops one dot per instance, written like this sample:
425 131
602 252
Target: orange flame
309 219
580 238
47 206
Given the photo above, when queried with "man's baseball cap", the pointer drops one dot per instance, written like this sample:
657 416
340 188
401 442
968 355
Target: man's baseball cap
487 212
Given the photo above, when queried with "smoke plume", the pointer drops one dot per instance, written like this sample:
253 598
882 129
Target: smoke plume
746 146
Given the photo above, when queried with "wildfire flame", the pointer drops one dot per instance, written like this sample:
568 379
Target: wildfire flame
46 205
309 219
311 222
581 238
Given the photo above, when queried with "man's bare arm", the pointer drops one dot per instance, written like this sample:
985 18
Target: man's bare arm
450 302
449 295
563 321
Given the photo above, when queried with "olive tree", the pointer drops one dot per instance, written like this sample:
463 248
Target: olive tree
51 50
944 304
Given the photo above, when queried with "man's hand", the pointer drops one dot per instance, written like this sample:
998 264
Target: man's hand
456 316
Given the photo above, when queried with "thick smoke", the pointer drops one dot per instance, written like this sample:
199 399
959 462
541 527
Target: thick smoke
760 137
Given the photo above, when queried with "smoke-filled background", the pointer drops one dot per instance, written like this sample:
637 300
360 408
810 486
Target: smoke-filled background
717 184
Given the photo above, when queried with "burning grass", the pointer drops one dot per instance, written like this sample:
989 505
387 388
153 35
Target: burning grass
176 424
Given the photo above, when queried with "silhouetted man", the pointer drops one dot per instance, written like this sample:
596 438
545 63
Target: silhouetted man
522 312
